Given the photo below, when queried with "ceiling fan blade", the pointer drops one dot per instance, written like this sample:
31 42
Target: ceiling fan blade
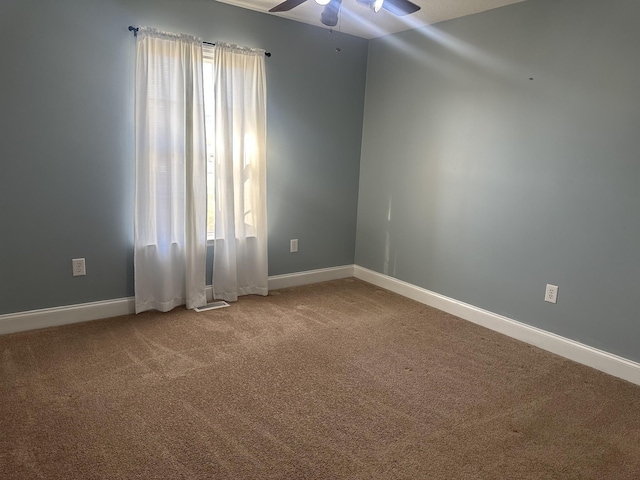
400 7
287 5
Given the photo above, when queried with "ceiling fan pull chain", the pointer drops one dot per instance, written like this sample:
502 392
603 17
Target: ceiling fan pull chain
338 48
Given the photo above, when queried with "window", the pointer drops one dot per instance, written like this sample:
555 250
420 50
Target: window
245 151
207 71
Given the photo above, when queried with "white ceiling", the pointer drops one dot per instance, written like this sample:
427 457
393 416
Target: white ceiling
357 19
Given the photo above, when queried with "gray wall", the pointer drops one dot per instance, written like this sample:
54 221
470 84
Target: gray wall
483 185
66 140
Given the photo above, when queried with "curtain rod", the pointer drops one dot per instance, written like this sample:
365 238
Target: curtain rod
135 33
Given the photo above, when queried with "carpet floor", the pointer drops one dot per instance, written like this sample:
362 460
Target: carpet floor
338 380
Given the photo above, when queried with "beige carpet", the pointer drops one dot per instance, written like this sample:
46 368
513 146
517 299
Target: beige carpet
330 381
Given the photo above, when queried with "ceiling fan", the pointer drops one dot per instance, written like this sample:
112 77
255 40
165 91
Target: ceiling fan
329 15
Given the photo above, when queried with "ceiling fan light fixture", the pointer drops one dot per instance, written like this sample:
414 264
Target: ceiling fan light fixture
376 5
330 19
329 15
322 2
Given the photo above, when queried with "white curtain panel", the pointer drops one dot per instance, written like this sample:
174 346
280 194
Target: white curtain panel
170 194
238 126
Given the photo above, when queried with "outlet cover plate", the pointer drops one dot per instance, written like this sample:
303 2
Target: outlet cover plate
78 267
551 294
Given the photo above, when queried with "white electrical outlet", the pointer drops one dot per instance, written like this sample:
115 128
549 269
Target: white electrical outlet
78 267
293 245
551 294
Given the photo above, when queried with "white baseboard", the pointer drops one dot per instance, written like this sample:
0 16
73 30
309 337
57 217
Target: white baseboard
51 317
578 352
310 276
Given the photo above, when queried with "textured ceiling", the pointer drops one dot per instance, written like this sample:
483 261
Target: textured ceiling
357 19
